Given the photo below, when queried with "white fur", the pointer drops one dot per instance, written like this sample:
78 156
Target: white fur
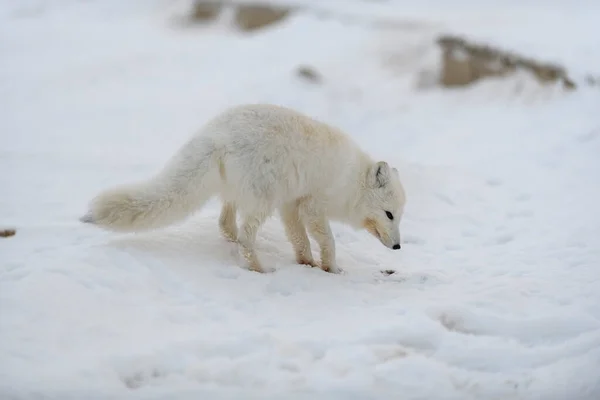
258 159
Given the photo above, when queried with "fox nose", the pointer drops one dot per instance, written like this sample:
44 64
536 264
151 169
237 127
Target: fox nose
396 246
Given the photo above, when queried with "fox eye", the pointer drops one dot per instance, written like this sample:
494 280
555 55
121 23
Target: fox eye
389 215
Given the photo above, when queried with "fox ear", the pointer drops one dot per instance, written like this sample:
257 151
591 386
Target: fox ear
379 175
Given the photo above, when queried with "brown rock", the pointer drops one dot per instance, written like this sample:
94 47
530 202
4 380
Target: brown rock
7 232
464 62
205 10
569 84
309 74
456 71
253 17
546 73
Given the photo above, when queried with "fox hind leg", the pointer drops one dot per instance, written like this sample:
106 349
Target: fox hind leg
227 221
247 238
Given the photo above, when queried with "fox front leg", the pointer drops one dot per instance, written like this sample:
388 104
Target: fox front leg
296 233
319 229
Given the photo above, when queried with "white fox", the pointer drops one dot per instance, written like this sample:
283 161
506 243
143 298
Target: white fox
260 158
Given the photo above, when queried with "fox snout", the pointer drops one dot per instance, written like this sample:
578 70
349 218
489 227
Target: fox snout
390 241
395 246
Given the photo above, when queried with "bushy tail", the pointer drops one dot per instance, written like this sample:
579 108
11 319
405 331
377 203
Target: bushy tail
182 187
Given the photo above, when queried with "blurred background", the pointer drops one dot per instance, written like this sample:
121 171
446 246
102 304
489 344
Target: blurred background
419 81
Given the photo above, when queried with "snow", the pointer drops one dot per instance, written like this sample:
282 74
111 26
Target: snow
496 291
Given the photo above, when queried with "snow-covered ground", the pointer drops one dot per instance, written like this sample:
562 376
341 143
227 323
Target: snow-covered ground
497 290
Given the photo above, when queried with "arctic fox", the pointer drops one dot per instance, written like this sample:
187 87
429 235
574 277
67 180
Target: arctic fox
259 158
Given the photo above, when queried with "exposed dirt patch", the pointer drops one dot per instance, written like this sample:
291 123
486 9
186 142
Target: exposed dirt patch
465 61
257 16
246 17
205 10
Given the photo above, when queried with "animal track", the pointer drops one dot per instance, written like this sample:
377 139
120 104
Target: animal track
505 238
494 182
138 379
408 238
519 214
445 199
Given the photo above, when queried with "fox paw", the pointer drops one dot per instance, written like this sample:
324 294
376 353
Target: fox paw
256 268
333 269
230 237
311 263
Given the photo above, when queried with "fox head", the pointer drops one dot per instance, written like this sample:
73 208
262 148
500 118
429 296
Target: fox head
382 204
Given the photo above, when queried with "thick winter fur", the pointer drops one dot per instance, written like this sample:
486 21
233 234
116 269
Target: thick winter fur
258 159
